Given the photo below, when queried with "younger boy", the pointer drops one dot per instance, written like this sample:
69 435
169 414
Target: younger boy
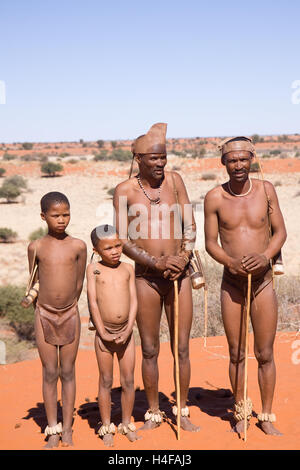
61 266
113 306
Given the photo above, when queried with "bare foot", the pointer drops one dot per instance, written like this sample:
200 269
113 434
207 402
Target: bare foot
133 436
66 439
239 427
186 424
108 440
52 441
150 425
268 428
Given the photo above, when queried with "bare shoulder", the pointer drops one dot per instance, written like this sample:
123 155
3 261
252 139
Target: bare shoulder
89 269
129 267
176 176
265 185
125 186
35 244
78 244
213 196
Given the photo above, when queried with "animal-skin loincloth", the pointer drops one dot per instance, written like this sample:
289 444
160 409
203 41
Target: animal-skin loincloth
59 324
155 280
113 329
258 281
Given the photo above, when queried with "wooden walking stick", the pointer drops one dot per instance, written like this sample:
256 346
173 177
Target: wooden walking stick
246 357
176 358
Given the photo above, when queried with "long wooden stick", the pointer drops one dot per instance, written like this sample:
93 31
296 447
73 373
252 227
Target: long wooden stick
176 358
246 356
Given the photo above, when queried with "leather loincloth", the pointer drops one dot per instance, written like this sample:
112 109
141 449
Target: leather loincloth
59 324
258 282
113 329
155 280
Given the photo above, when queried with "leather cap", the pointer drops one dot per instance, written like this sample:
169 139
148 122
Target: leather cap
152 142
236 143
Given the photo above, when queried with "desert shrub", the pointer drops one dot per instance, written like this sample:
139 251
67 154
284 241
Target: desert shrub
9 191
208 176
102 156
7 235
21 319
277 183
266 155
27 145
100 143
28 158
2 171
8 156
51 168
38 233
64 154
113 144
275 152
72 161
120 155
254 167
18 181
297 154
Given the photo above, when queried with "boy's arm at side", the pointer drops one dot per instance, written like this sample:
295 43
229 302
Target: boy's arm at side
133 307
92 304
81 264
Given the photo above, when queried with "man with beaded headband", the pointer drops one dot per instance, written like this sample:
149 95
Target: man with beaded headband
239 211
161 246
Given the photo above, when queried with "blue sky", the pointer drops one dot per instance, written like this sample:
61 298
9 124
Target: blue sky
109 70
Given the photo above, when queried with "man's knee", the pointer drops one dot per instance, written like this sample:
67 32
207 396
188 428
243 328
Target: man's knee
183 352
150 351
237 356
264 356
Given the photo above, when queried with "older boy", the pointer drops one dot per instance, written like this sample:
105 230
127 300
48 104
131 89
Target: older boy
61 266
113 305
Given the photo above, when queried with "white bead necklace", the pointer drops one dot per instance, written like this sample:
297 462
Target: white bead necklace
240 195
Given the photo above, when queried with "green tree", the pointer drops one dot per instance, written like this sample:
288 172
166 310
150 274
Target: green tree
2 171
51 168
27 145
9 191
113 144
18 181
7 235
100 143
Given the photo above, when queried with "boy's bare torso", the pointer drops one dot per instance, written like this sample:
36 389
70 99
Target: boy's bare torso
58 274
243 222
112 291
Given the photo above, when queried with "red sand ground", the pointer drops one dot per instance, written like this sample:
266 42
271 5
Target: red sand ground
23 417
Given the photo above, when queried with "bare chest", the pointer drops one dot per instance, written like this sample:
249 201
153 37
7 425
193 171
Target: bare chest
237 212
